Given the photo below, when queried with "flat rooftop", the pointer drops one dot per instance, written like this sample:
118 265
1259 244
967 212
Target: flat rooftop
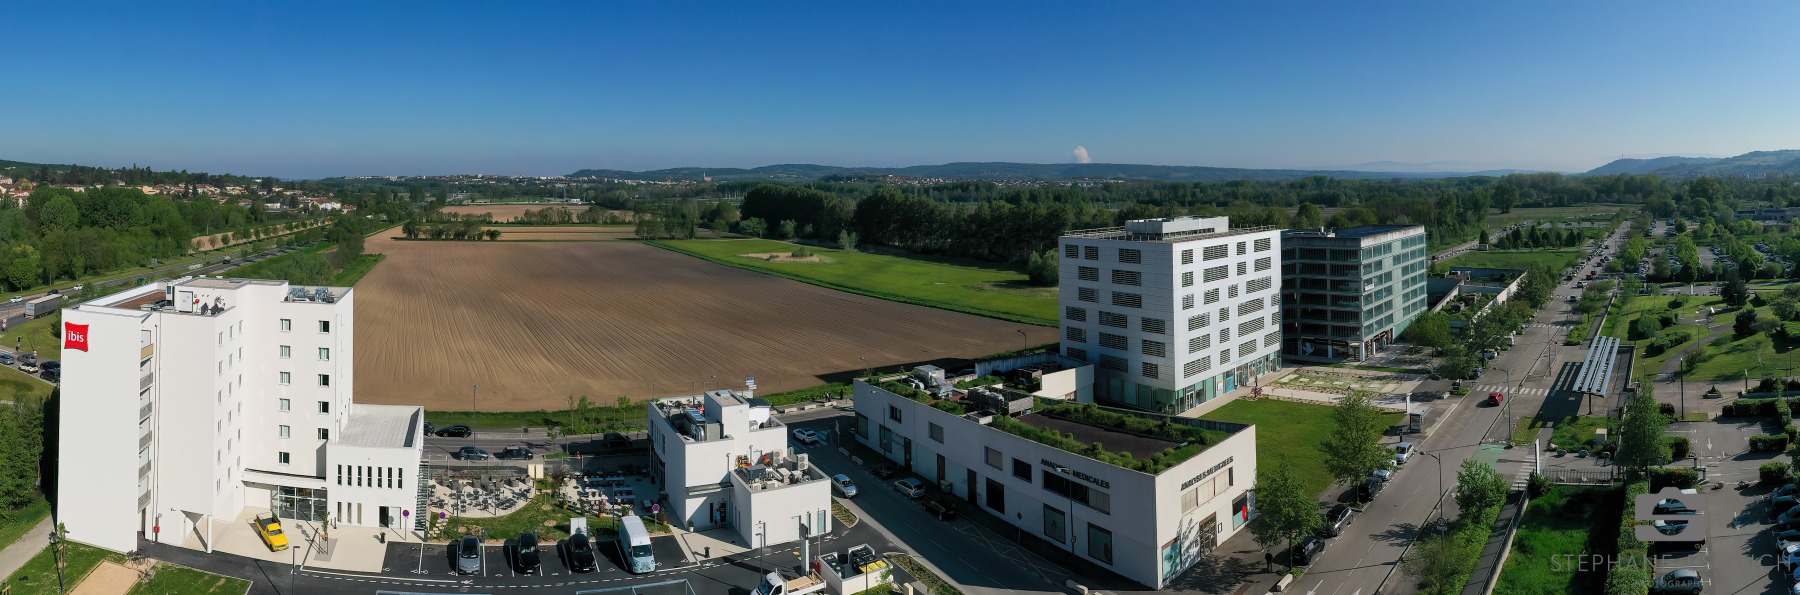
384 426
1138 446
1358 232
1122 234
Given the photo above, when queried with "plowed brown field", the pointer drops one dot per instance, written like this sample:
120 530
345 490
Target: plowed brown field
533 323
508 212
518 233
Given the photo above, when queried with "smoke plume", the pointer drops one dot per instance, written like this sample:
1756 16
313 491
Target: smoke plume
1081 155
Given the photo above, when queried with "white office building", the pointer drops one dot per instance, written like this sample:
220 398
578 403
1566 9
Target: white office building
723 461
1148 527
185 402
1172 312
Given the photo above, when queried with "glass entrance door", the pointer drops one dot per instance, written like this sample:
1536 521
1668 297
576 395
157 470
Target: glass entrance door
304 504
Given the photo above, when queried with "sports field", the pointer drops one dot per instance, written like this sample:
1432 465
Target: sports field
976 288
536 322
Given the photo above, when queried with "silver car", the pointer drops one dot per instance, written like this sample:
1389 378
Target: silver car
841 484
468 555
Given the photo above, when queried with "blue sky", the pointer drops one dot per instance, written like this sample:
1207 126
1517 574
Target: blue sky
344 88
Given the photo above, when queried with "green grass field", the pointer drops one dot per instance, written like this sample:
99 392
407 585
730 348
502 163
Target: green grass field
975 288
18 386
1574 432
14 524
1590 212
36 334
171 579
1559 526
1287 431
1518 259
38 576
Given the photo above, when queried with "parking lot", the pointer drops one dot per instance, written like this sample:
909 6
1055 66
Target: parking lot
1739 555
497 558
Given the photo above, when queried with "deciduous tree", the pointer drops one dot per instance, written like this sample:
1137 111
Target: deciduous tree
1353 447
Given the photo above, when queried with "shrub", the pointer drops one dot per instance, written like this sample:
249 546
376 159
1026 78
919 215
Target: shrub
1790 431
1681 477
1679 446
1774 473
1750 407
801 253
1631 576
1667 409
1775 443
1539 485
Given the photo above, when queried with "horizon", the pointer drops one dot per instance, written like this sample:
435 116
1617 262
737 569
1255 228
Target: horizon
308 92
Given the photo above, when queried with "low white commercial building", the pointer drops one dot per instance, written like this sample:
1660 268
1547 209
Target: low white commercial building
186 401
723 460
1146 526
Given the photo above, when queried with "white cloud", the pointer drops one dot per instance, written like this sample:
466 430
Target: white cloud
1081 155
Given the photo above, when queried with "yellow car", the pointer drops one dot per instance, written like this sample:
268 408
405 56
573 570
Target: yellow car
269 528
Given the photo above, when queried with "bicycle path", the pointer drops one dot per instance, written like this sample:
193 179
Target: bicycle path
28 546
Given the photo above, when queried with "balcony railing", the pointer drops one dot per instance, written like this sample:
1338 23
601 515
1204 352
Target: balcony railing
144 411
143 499
147 351
144 440
144 470
144 382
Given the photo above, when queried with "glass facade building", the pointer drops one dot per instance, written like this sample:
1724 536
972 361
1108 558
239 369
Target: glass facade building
1348 293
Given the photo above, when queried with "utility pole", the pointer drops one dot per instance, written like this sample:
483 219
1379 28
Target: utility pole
473 392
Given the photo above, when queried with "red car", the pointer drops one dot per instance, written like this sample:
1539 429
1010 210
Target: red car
1494 399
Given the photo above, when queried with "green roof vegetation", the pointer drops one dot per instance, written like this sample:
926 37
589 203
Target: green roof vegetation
1191 440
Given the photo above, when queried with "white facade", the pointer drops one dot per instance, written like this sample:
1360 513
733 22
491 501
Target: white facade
712 452
211 395
1172 312
1148 528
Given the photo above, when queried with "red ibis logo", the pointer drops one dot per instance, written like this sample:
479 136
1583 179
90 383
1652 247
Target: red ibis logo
75 336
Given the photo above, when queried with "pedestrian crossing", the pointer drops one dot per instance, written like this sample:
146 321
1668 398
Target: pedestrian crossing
1522 477
1543 325
1510 390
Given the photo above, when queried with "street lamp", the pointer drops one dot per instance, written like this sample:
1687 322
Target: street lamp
1024 341
1440 467
476 390
1069 496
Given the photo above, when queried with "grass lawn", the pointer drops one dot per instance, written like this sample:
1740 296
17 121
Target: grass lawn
1573 432
1287 431
38 576
964 286
1655 362
187 581
1564 523
14 524
354 271
18 386
1557 260
629 418
35 334
542 515
1557 214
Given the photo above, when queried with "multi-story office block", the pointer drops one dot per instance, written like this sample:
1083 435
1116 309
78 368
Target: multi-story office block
187 401
1348 293
724 462
1172 312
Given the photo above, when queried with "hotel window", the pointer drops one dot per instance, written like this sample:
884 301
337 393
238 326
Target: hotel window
894 414
1196 367
1231 291
324 354
1243 268
324 434
324 326
1187 302
1112 341
1087 294
1071 251
1022 470
1099 544
1272 339
1187 279
1087 273
1216 273
1224 335
1198 321
1212 295
1197 344
324 380
1112 319
1075 334
1123 277
324 406
1154 325
285 405
1127 300
287 378
1240 248
1246 348
1090 252
1263 264
286 325
1262 245
1187 256
1150 370
221 338
1224 314
1214 252
1259 284
1155 348
340 475
283 458
282 431
1075 314
935 431
287 351
1131 256
993 458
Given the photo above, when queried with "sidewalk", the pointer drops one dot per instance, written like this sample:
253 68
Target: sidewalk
16 555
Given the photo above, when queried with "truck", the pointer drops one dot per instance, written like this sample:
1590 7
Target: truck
856 570
42 306
634 545
774 584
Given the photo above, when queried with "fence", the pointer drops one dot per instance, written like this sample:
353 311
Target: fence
1586 477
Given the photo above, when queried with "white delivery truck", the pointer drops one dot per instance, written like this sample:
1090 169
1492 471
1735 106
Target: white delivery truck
634 546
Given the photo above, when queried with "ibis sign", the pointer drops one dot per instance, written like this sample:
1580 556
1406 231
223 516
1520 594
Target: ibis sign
75 336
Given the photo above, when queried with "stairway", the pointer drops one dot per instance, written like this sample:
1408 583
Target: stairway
423 508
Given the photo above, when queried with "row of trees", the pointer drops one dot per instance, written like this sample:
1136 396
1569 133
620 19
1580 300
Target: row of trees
21 452
449 227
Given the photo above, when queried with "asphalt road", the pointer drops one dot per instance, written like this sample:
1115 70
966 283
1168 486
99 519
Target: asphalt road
1361 560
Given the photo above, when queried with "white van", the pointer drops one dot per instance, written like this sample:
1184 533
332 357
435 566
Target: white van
634 546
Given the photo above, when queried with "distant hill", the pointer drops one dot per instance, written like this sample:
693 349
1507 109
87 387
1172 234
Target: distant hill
1644 166
1752 164
1005 171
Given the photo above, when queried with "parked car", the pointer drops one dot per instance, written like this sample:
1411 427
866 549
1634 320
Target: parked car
841 484
470 453
78 288
268 529
615 440
456 431
51 365
1681 582
17 298
884 470
1673 506
1781 504
1786 526
515 453
1494 399
1786 540
430 430
911 487
808 437
468 555
1402 452
28 362
51 375
1369 488
942 508
1786 490
1305 551
1336 520
525 555
6 359
1456 384
581 553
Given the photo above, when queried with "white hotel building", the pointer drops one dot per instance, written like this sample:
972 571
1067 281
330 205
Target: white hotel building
1172 312
187 401
724 462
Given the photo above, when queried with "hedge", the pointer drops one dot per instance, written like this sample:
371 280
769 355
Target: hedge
1679 446
1755 407
1631 575
1775 473
1682 477
1774 443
